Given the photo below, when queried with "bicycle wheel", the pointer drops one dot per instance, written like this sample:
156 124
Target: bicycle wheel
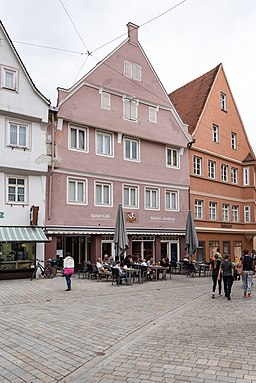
50 272
34 274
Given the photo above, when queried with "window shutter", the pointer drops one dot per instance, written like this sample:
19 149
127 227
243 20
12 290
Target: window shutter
128 69
136 72
133 110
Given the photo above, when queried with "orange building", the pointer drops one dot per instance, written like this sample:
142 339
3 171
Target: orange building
222 166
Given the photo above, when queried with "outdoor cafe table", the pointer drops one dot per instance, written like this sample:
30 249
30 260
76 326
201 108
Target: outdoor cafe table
130 272
203 268
157 270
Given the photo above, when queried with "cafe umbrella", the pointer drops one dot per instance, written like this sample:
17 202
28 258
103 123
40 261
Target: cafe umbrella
191 240
120 237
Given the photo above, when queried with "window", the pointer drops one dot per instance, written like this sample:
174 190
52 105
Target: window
103 193
225 212
233 140
130 109
173 159
235 213
77 138
77 191
18 135
234 173
213 211
104 144
9 78
246 176
152 114
16 190
211 169
131 149
197 164
151 198
105 100
223 101
132 70
215 133
247 215
171 200
224 173
130 196
198 209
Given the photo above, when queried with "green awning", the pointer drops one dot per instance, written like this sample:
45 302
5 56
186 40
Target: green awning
22 234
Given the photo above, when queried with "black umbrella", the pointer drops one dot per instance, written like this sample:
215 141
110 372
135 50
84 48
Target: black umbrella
120 238
191 241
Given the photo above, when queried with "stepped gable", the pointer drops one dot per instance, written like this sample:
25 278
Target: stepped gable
190 99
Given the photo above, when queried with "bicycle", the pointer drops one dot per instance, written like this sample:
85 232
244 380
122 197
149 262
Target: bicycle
49 271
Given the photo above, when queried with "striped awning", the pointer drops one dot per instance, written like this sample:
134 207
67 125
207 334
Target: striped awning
22 234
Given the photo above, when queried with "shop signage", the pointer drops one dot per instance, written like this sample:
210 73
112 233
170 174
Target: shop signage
100 216
1 214
157 218
130 217
226 225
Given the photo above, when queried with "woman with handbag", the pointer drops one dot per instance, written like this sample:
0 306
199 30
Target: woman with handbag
68 269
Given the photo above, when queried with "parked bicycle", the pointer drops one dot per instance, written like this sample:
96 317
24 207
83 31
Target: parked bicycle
49 271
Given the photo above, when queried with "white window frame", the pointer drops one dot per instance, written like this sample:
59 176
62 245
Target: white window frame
215 133
246 176
235 213
233 138
77 181
130 109
131 142
104 186
19 125
130 189
197 165
172 157
225 212
234 175
16 186
171 200
199 209
105 100
152 191
224 172
14 72
132 70
211 169
247 214
78 129
152 114
212 211
223 101
104 151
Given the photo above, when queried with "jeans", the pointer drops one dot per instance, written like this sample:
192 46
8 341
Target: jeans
68 280
227 282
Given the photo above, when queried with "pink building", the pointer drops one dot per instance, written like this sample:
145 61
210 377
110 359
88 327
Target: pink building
118 139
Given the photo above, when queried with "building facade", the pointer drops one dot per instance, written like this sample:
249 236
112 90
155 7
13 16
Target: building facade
222 166
23 165
116 138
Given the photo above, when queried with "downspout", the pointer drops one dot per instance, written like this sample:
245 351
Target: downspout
52 163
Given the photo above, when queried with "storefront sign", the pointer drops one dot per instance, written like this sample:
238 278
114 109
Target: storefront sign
157 218
130 217
1 214
100 216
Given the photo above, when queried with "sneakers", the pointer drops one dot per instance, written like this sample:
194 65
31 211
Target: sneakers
213 295
68 290
249 296
245 296
229 298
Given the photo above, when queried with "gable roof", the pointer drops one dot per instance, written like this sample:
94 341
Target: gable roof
22 65
190 99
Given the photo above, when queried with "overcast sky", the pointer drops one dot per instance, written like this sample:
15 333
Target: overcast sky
182 44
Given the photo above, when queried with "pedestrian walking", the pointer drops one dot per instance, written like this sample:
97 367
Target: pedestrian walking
227 270
68 269
248 269
214 268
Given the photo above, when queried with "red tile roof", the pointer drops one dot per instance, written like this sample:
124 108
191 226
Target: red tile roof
189 100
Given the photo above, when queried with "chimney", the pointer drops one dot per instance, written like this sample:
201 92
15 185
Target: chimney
133 33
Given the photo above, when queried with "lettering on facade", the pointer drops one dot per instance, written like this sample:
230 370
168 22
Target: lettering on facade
226 225
1 214
157 218
100 216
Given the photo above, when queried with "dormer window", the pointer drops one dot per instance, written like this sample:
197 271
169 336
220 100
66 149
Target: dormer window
223 101
132 70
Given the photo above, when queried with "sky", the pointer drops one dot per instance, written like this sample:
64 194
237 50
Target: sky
183 39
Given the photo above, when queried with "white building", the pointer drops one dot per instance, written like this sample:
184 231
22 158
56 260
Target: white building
23 164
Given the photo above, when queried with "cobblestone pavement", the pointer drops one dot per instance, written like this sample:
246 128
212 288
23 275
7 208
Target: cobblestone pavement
166 331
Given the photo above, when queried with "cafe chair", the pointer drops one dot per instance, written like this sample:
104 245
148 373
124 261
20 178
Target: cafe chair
144 273
115 276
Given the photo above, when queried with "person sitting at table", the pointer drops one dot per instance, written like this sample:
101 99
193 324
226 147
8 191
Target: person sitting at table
102 269
127 261
144 263
122 273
